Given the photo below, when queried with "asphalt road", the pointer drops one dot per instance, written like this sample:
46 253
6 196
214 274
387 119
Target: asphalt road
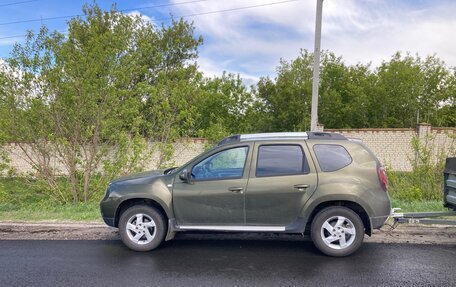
222 263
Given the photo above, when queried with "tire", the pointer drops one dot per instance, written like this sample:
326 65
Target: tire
337 231
142 228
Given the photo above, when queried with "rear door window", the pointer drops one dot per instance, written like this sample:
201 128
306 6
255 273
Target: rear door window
279 160
331 157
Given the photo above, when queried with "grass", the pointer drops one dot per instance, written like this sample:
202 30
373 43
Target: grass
58 212
19 200
416 191
418 206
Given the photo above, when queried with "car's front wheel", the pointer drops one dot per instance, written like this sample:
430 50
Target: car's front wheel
142 228
337 231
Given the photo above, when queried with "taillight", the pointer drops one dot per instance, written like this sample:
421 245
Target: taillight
383 178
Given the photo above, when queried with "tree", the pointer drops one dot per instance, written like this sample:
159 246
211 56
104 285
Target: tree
287 101
4 119
397 94
343 93
410 90
445 114
170 86
223 106
399 86
87 97
438 103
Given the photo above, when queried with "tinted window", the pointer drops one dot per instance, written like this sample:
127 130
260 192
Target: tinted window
332 157
225 164
281 160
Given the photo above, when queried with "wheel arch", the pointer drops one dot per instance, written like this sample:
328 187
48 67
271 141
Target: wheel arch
356 207
138 201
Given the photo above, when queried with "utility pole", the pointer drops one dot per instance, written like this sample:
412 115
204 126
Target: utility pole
316 67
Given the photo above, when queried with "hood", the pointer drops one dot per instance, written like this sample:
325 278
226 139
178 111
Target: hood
138 178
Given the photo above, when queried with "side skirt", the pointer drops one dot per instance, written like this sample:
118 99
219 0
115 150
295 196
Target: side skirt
241 228
296 227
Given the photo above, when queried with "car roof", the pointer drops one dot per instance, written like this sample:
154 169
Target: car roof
281 136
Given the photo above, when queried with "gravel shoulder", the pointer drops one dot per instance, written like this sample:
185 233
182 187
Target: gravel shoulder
404 233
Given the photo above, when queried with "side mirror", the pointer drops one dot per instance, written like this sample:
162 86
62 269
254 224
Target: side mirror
185 176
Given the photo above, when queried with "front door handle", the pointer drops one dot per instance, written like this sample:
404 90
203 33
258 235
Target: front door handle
301 187
236 189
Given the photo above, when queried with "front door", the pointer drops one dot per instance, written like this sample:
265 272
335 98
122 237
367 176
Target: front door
215 194
281 181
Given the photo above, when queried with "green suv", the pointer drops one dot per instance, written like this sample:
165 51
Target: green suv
320 184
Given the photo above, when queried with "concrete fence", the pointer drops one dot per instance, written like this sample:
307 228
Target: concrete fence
184 150
392 146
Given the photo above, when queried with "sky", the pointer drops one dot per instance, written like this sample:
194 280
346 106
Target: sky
251 36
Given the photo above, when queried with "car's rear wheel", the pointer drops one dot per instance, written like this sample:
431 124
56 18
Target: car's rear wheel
142 228
337 231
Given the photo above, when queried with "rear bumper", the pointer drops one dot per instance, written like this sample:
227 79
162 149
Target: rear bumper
378 221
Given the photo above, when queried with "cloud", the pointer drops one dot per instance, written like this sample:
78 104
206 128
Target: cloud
252 41
212 69
378 31
10 41
249 41
144 17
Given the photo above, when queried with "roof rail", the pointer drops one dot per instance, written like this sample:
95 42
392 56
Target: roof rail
281 136
230 139
325 136
263 136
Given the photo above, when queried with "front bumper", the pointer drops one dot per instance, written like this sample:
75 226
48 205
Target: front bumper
109 221
108 209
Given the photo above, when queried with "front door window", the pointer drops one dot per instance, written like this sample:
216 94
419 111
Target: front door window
227 164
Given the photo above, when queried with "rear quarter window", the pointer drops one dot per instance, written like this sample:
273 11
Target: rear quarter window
331 157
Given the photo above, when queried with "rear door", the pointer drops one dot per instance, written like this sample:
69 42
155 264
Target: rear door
282 179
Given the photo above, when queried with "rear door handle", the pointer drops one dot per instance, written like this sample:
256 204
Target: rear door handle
236 189
301 187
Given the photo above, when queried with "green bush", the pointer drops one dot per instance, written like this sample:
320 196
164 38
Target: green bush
402 186
425 181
